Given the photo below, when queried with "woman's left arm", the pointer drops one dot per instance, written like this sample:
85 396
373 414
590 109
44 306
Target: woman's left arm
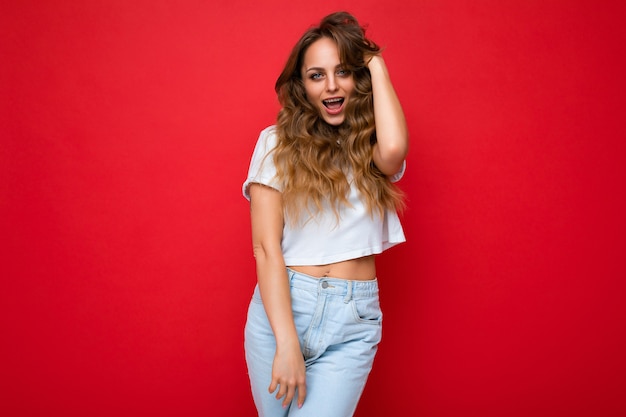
392 134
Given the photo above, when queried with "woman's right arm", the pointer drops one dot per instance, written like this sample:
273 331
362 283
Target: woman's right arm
288 371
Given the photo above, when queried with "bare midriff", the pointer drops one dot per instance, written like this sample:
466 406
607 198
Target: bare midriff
360 269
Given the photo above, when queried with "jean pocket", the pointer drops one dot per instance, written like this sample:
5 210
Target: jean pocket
367 310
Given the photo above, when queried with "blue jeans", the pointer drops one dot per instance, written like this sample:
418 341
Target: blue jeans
339 325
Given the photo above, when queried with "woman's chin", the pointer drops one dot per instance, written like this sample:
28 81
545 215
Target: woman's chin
334 120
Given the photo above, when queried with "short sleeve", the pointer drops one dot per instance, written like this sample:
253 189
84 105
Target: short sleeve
398 175
262 169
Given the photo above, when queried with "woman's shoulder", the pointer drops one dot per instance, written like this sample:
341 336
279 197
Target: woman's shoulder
268 137
268 131
265 143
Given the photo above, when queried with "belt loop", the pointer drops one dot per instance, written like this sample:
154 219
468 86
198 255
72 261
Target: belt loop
348 296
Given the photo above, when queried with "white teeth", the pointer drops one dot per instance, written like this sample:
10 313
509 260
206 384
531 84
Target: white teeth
333 100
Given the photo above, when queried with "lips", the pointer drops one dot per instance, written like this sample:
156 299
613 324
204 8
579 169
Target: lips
333 105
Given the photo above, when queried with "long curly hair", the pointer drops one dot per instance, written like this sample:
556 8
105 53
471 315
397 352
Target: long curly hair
313 157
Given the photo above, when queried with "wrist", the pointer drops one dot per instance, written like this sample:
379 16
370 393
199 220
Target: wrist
287 344
374 61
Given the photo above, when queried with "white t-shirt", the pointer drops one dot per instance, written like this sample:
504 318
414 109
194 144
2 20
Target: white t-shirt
321 239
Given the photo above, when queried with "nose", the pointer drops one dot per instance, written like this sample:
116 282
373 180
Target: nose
331 83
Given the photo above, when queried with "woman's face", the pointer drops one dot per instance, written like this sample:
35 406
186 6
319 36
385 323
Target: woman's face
328 86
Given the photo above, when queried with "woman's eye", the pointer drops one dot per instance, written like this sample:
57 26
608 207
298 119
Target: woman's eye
316 76
343 73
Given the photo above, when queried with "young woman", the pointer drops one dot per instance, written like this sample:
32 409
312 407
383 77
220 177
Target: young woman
323 203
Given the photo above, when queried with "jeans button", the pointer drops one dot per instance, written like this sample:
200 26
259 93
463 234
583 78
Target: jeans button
324 284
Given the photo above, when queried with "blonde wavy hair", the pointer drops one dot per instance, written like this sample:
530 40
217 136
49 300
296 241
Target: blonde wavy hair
312 157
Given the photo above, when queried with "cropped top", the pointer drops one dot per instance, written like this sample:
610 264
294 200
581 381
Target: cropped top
322 239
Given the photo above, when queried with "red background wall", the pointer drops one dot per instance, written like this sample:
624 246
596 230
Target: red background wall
126 129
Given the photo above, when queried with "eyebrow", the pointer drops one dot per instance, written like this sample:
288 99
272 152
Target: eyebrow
321 69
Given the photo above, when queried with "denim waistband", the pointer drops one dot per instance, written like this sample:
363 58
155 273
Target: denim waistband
334 286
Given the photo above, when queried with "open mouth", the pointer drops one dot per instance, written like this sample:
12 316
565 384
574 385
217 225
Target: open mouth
333 103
